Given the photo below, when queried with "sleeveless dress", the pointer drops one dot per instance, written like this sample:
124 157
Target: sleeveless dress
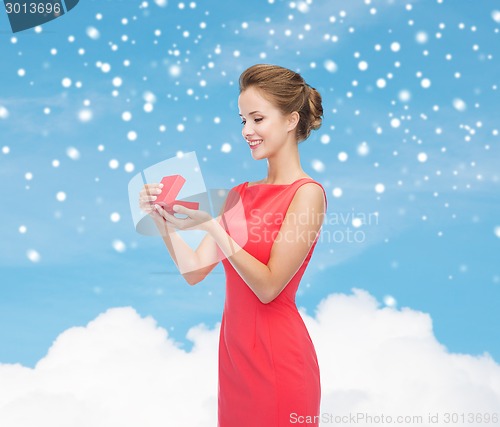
268 369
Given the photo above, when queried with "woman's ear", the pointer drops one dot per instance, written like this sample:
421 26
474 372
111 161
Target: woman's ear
293 120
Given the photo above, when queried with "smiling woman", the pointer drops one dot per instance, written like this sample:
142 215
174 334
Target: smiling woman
268 369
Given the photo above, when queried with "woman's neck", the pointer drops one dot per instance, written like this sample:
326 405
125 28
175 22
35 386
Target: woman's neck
284 166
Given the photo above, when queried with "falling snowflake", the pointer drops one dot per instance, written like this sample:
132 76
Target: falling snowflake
337 192
4 113
33 255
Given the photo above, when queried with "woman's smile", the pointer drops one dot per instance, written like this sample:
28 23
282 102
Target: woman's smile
254 143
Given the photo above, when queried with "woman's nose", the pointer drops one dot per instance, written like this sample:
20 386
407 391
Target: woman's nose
247 130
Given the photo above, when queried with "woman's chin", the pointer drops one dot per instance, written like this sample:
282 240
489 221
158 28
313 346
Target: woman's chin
256 152
258 156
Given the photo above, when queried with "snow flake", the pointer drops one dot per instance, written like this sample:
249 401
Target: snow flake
395 122
425 83
330 66
303 7
318 165
422 157
342 156
379 188
174 70
33 255
93 33
395 46
325 139
85 115
363 65
4 113
73 153
119 246
421 37
337 192
389 300
404 95
60 196
356 222
459 104
363 149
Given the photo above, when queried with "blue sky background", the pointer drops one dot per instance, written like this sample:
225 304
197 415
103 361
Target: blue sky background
434 148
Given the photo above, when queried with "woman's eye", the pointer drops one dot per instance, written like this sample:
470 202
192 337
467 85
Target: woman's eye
255 120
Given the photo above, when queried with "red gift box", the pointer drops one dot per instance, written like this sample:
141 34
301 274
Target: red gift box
172 184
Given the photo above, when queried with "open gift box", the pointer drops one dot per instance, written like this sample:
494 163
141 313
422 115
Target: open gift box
172 184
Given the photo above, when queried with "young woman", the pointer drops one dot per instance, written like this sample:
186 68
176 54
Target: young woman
268 369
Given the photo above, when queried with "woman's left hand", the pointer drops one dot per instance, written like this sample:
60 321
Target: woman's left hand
196 219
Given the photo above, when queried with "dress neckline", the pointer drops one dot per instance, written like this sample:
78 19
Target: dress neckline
275 185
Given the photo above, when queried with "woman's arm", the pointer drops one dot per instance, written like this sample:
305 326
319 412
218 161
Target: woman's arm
194 271
298 231
194 266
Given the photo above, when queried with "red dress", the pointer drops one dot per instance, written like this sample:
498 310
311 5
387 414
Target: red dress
268 369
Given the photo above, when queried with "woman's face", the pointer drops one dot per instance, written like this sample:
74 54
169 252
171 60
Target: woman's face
263 124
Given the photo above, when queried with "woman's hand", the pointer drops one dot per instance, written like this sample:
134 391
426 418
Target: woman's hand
147 197
196 219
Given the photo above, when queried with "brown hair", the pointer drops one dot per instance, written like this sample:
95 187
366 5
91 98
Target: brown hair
288 91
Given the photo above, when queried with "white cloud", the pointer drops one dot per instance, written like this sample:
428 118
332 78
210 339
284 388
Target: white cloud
385 360
119 370
124 370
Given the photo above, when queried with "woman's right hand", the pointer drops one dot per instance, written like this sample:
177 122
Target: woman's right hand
148 195
147 198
